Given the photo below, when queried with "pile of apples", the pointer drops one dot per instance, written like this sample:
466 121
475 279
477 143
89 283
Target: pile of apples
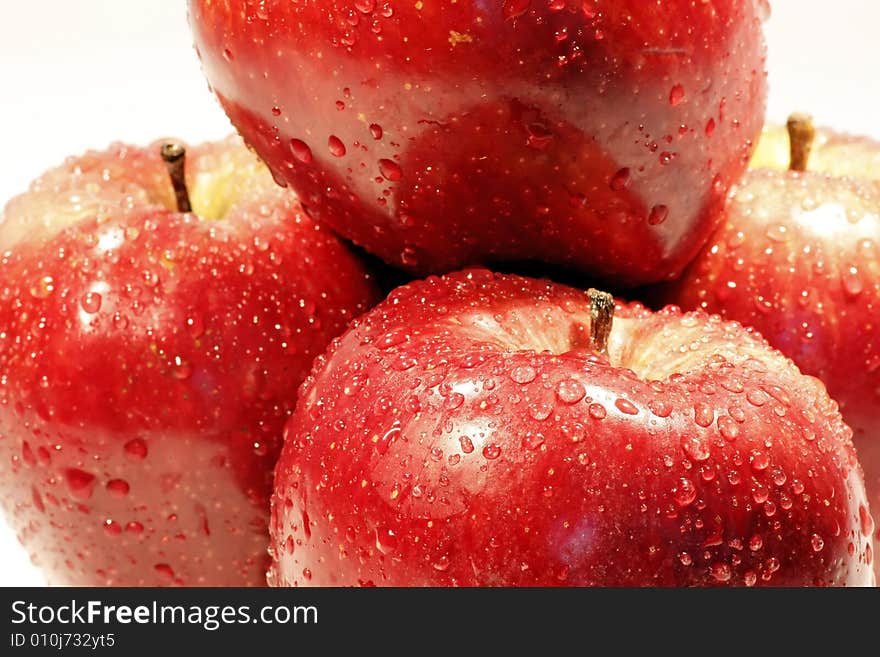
200 383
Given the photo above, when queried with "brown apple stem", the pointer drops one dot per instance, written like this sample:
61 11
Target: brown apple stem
601 318
801 134
174 155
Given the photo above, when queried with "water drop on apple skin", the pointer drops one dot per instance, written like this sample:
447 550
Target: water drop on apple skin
136 449
337 148
390 170
301 151
80 483
620 180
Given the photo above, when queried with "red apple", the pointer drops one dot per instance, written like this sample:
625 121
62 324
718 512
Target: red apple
469 431
597 134
798 258
149 358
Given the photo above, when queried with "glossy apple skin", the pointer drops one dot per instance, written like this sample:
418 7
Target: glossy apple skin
798 258
600 136
432 447
148 360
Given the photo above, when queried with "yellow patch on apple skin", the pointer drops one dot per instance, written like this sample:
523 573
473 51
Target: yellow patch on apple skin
222 173
123 179
833 153
456 38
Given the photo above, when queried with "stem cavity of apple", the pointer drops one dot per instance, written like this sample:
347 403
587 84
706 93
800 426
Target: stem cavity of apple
174 155
601 319
801 134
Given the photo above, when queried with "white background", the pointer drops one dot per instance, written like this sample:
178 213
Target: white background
79 74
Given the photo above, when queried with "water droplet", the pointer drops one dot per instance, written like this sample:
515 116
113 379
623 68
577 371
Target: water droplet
390 170
817 543
728 428
491 452
597 411
759 460
136 449
685 559
569 391
851 281
779 477
710 127
301 151
337 148
757 397
467 445
685 493
524 374
91 302
720 572
376 131
704 415
540 410
134 527
112 528
27 455
696 449
37 499
80 483
660 407
866 522
676 95
658 215
165 571
533 441
620 180
626 407
760 494
118 487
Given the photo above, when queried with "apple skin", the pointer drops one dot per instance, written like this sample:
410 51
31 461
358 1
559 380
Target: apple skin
462 433
148 361
797 257
602 136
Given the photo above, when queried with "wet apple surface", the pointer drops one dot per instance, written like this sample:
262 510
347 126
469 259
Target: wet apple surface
598 135
468 432
149 358
797 257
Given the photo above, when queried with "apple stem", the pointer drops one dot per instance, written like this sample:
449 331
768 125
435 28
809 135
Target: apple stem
601 319
801 134
174 155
